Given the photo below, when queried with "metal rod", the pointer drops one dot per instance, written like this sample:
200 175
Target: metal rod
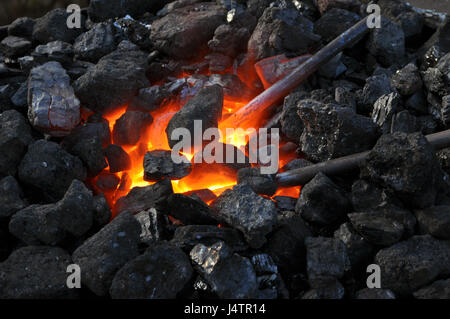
300 74
301 176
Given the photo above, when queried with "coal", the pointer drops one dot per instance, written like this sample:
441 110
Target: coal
118 159
186 237
375 87
374 293
14 47
101 211
285 203
142 198
158 165
291 123
51 224
414 263
444 159
407 165
230 276
149 99
384 110
262 184
229 40
101 10
106 252
199 23
330 290
95 43
440 289
36 272
19 99
11 197
387 43
218 62
206 106
22 27
50 168
58 51
322 201
130 127
332 131
326 260
190 210
114 80
134 31
53 107
53 27
359 250
153 226
88 131
91 153
368 195
434 221
325 5
407 81
107 182
296 163
405 122
335 22
15 136
241 208
161 273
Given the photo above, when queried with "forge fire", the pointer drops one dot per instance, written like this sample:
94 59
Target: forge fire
222 149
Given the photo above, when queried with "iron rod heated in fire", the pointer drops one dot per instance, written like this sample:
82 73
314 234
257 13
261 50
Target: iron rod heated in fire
301 176
300 74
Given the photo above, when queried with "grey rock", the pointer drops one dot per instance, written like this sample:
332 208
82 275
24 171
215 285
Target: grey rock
49 168
260 183
103 254
161 273
190 210
159 165
14 47
384 109
130 127
407 81
118 159
244 210
22 27
374 293
440 289
434 221
359 250
322 202
36 272
341 19
15 136
11 197
53 107
414 263
58 51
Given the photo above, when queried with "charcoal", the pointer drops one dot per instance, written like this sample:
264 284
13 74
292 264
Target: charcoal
58 51
160 273
53 27
333 131
205 106
14 47
417 103
50 169
199 23
359 250
291 123
191 210
20 98
229 40
96 43
22 27
440 289
36 272
158 165
153 225
130 127
241 208
11 197
260 183
414 263
376 228
101 10
218 62
142 198
321 201
107 182
340 19
384 110
368 195
374 293
407 165
186 237
376 86
296 163
281 31
51 224
134 31
329 290
407 81
53 107
15 136
86 132
114 80
101 211
387 43
326 260
149 99
405 122
103 254
118 159
229 275
434 221
285 203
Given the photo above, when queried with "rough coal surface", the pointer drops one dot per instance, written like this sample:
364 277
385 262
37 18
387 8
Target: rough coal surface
14 47
36 272
368 195
334 22
440 289
374 293
243 209
11 197
262 184
117 158
332 131
407 165
190 210
434 221
322 201
160 273
130 127
101 211
22 27
49 168
102 255
407 81
291 123
384 109
332 289
359 250
15 136
101 10
91 153
159 165
58 51
86 132
95 43
375 87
